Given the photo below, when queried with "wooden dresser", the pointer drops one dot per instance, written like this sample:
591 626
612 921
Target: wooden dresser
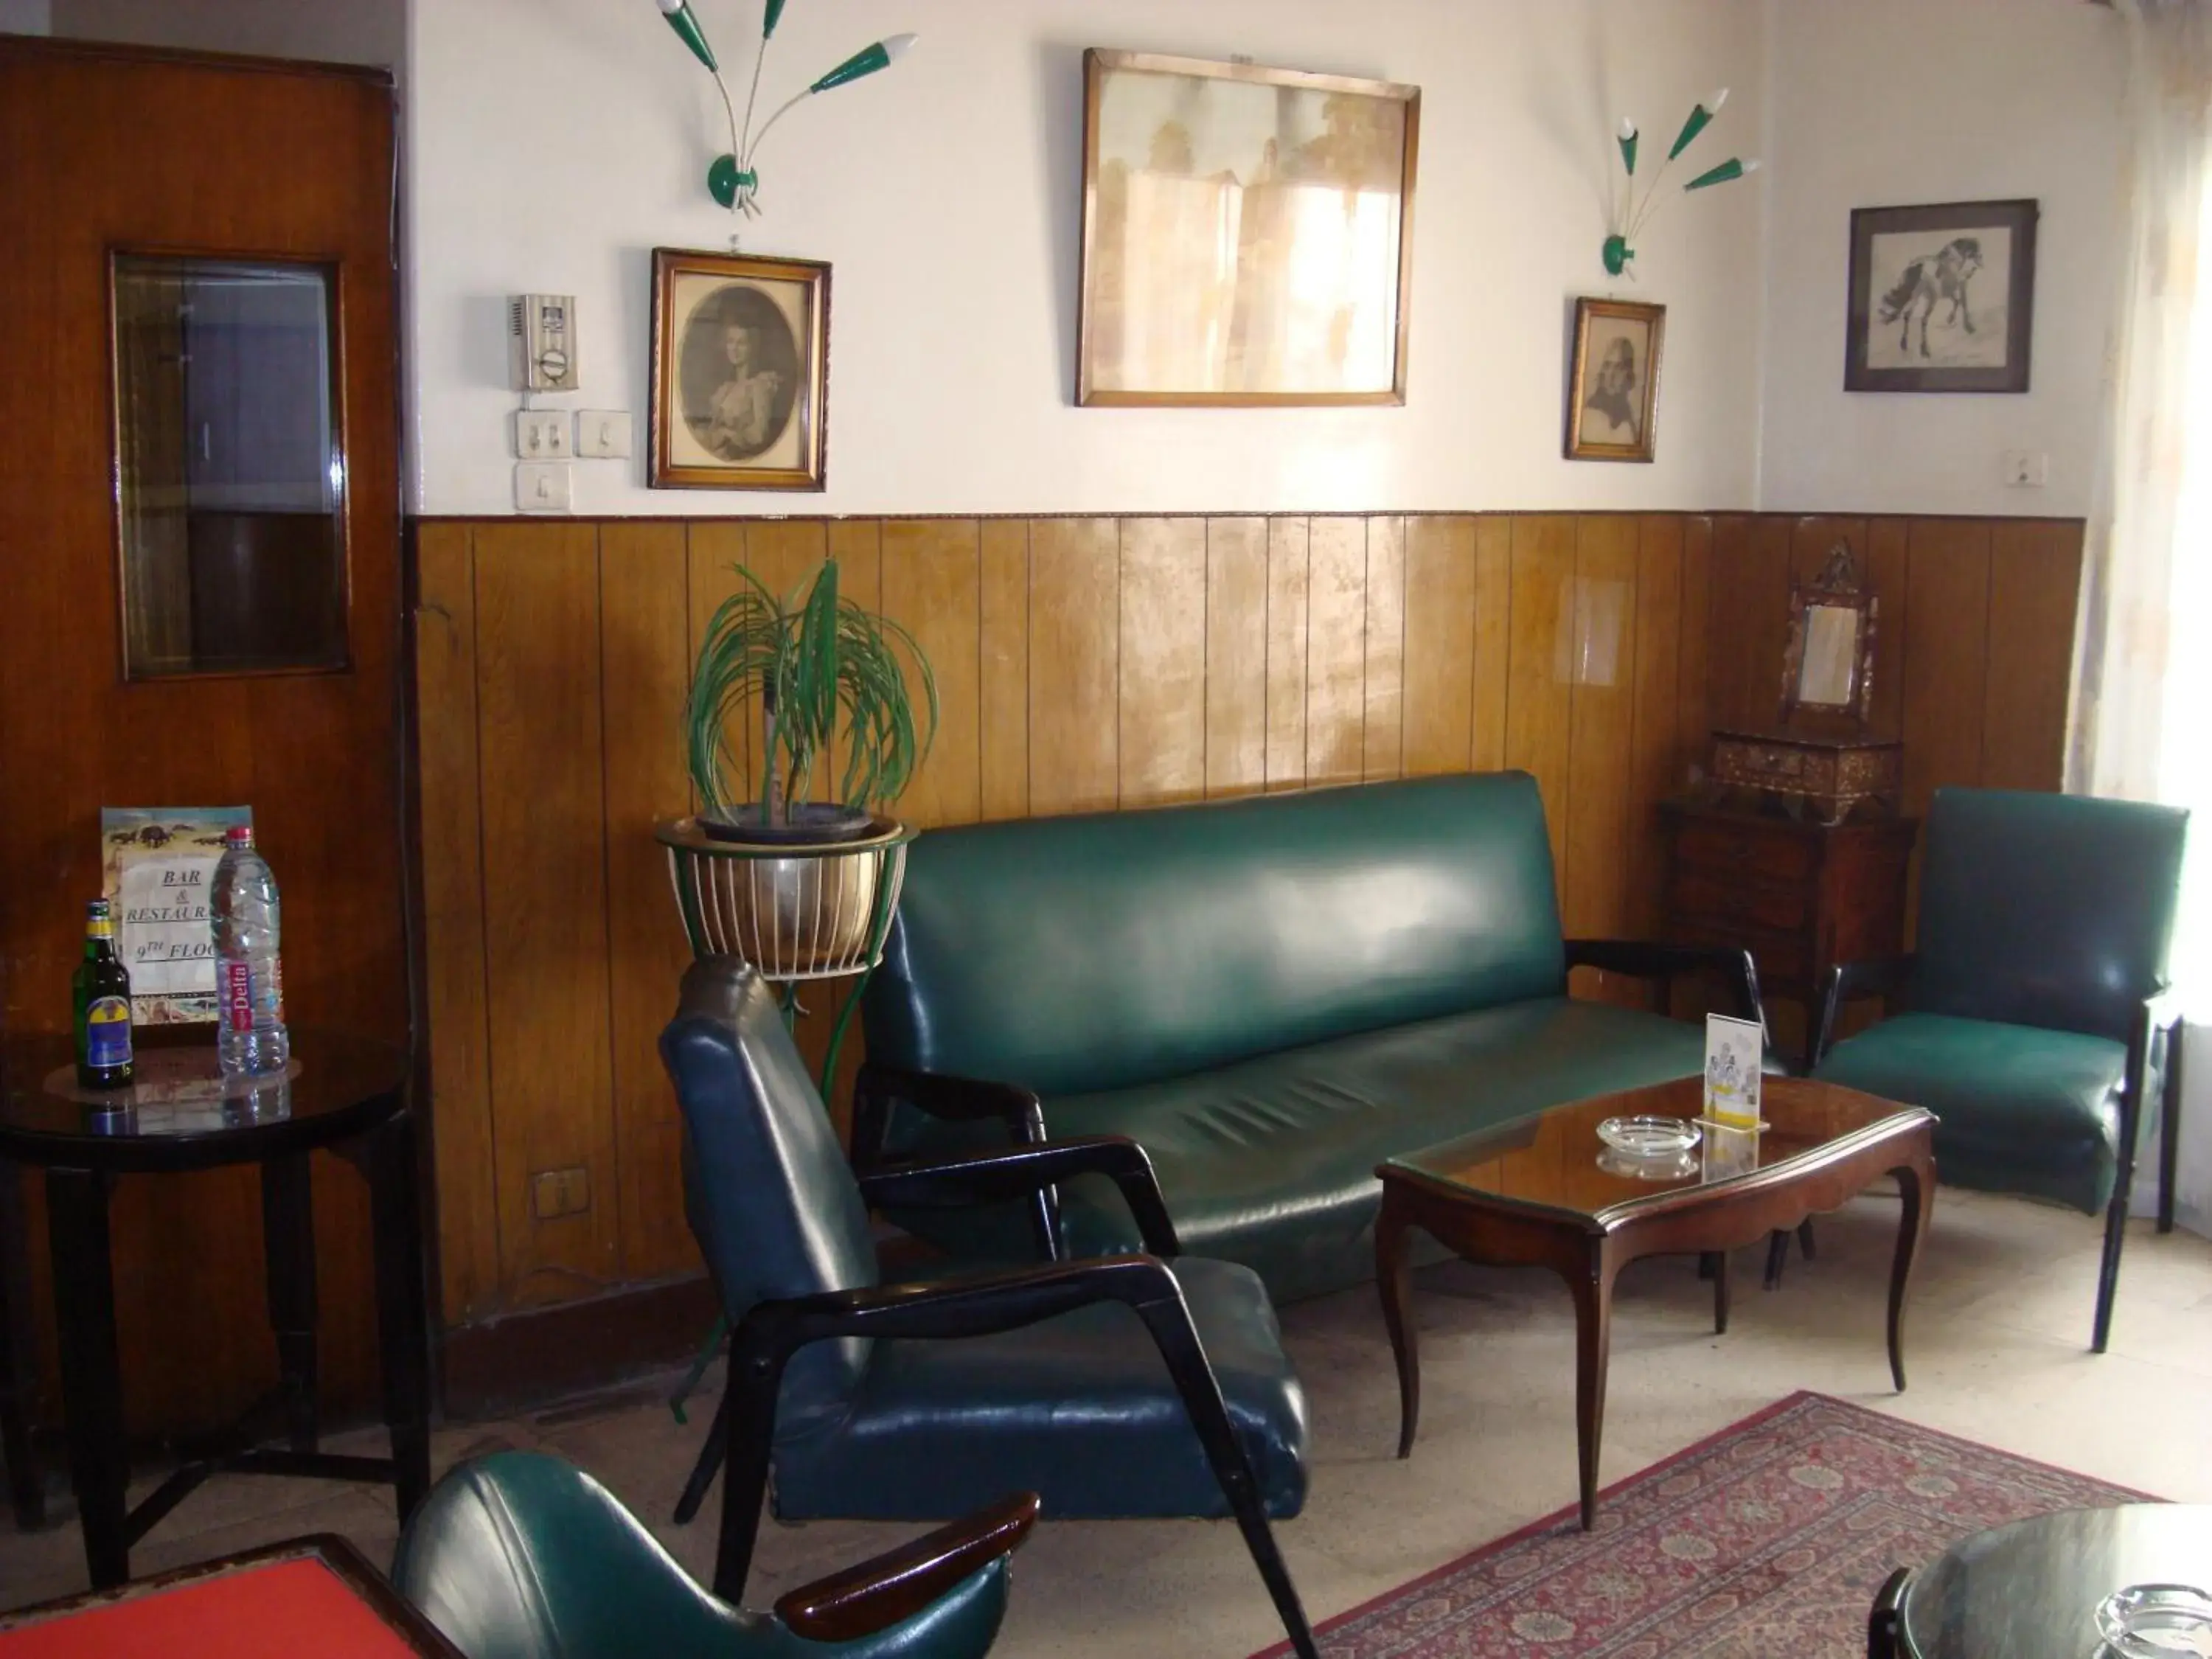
1799 895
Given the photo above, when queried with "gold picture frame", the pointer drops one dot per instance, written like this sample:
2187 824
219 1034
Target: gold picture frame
1205 186
1613 385
740 396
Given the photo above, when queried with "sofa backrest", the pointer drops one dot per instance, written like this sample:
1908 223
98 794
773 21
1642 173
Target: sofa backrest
1099 952
2045 909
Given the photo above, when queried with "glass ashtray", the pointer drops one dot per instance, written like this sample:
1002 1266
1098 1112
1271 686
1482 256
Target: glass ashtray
1668 1166
1649 1137
2156 1621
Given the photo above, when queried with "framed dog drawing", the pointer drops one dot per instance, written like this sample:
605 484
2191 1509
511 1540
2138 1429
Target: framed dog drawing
1942 298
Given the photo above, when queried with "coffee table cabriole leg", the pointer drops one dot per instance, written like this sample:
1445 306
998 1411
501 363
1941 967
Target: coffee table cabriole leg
1592 1289
1915 1186
1393 1278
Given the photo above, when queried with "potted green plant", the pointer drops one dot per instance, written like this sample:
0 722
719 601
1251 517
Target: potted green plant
784 862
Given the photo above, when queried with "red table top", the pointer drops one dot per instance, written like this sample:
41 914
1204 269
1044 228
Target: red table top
269 1610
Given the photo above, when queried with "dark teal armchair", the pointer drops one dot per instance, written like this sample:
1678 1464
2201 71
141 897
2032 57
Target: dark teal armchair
1149 1383
2033 1018
523 1556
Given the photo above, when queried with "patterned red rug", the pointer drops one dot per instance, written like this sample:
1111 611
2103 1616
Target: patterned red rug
1770 1538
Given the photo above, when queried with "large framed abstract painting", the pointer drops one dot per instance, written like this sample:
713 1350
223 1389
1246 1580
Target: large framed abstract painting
1942 297
1247 233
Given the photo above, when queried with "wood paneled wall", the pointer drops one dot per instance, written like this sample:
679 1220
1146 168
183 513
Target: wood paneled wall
1085 664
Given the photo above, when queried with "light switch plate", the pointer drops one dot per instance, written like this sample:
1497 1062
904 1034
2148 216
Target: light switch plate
2026 469
542 486
540 434
602 433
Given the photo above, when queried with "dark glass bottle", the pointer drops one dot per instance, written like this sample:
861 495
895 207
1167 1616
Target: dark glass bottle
103 988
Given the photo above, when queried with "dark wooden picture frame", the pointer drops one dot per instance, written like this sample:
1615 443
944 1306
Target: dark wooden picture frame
1924 286
1618 388
761 325
1185 159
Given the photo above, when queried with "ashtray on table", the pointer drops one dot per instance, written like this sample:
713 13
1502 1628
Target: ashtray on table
1668 1166
2155 1621
1661 1137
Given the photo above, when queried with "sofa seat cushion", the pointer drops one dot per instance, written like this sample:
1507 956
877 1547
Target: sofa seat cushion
2020 1108
1271 1162
1079 1409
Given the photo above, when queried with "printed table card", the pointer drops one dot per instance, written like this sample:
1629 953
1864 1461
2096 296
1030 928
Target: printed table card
1734 1050
158 868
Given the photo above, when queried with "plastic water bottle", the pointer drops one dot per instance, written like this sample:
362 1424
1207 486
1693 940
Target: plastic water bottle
250 1035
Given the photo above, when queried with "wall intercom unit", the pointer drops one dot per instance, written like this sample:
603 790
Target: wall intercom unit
541 341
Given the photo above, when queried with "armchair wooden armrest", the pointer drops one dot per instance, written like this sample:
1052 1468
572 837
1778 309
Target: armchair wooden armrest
1869 976
988 1177
1647 959
900 1582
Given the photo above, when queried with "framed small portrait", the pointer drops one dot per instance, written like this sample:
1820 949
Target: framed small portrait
740 372
1942 298
1247 234
1613 394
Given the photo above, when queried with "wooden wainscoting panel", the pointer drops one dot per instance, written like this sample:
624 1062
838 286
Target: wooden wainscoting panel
1888 558
1946 655
1003 569
1162 743
464 1145
1288 585
2035 580
1075 581
1493 639
715 553
1237 587
644 629
1336 649
1693 673
1383 742
545 917
1601 676
857 544
1655 761
1540 692
1437 669
931 584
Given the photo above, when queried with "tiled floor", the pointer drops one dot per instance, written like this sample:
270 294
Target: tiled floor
1996 1350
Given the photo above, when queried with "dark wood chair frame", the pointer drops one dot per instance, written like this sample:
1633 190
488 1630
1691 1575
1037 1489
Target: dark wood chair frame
984 1304
1891 978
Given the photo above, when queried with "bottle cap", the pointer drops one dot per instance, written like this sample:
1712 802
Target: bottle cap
97 909
238 835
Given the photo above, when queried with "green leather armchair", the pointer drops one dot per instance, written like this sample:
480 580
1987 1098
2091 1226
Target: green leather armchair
2032 1018
1141 1385
522 1556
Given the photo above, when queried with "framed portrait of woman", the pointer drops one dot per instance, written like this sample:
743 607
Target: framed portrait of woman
740 372
1612 391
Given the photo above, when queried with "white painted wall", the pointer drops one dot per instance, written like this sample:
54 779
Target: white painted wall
26 16
321 31
555 143
1876 103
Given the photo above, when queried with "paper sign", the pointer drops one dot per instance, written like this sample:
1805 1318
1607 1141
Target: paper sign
158 868
1734 1049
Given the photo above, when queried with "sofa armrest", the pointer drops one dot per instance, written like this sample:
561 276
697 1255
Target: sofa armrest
1646 959
1869 976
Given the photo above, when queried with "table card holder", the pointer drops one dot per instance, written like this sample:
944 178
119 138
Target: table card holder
1734 1049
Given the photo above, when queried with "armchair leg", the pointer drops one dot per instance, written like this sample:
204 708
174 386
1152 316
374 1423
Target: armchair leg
2108 1272
1177 1341
1883 1619
710 1459
2169 1129
746 1423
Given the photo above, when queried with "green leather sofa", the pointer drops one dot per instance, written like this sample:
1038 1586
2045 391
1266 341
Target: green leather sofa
2033 1019
1270 995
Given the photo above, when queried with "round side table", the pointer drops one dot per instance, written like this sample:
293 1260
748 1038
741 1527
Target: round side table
345 1092
2031 1590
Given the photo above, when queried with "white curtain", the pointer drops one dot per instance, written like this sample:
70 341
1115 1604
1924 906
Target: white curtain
2142 704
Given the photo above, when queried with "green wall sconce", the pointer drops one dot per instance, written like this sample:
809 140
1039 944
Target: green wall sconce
1618 251
733 180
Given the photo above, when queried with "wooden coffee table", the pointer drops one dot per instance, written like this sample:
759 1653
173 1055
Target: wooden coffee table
1535 1192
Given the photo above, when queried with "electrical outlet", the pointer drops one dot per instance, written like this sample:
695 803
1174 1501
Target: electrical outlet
556 1192
602 433
542 486
2026 469
540 434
